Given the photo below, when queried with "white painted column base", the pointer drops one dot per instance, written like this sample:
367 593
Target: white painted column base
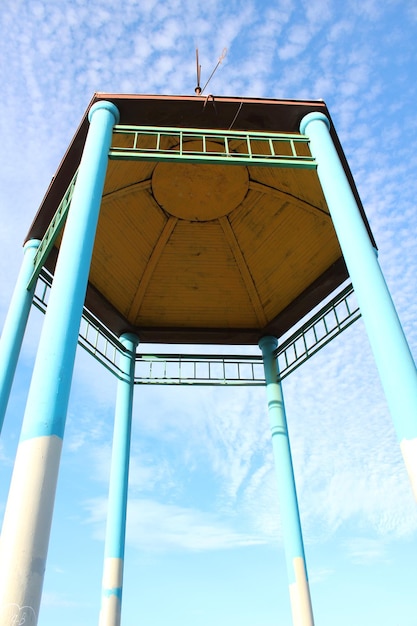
302 612
26 527
112 589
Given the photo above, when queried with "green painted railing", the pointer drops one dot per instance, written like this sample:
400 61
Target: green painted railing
52 231
210 369
211 146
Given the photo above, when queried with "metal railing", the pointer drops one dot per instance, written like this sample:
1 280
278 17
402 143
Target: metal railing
52 231
328 322
93 336
203 369
209 369
211 146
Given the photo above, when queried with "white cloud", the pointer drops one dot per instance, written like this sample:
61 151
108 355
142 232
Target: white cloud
363 550
152 526
320 575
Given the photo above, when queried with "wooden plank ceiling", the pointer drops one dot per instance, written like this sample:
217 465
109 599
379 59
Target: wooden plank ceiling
202 246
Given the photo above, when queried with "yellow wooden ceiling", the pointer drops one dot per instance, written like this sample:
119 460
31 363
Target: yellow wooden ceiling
203 246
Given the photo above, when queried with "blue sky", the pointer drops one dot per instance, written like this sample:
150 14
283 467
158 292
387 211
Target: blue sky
204 540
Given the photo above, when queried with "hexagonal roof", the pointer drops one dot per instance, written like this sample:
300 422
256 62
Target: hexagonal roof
203 252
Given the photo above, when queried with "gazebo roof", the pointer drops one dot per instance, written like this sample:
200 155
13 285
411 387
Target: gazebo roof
213 250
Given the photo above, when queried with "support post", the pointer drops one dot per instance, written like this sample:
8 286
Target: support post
28 515
112 586
393 358
15 325
302 612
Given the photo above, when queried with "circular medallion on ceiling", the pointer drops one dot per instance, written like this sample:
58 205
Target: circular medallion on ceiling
199 191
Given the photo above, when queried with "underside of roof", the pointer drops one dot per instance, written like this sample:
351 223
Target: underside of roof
201 252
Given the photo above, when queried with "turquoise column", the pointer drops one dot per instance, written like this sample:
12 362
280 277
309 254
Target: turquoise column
302 613
393 358
15 325
28 516
119 476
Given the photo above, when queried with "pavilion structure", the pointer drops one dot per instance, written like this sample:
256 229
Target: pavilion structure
207 221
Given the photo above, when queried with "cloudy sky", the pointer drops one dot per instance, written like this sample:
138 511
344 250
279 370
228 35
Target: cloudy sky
204 540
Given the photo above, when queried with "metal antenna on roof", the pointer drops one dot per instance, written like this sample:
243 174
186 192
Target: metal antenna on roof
198 89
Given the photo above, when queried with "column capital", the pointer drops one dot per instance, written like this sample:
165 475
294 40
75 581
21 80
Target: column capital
268 342
108 106
129 340
314 116
31 243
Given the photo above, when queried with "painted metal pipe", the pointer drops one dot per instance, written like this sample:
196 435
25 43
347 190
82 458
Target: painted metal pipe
28 516
301 608
15 325
393 358
112 586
